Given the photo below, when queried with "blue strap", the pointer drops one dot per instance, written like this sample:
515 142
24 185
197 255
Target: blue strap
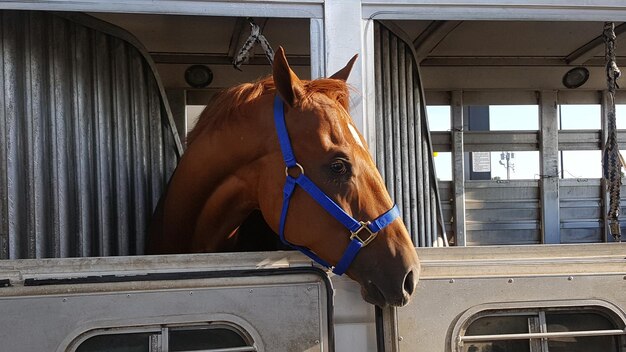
348 257
385 219
290 186
327 203
283 135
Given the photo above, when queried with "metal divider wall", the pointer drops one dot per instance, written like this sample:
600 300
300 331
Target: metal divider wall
403 145
87 142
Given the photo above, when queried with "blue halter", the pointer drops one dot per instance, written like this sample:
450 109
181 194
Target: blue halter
355 227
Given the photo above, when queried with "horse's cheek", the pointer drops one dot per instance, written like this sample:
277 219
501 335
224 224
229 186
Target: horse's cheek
270 199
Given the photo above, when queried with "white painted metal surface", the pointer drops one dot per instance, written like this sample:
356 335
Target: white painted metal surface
51 304
455 282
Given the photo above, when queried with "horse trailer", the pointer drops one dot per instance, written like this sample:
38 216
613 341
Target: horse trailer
487 121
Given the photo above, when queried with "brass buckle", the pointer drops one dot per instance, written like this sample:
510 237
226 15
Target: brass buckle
369 239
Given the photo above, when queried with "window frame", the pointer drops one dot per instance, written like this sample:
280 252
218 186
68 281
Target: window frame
160 334
603 308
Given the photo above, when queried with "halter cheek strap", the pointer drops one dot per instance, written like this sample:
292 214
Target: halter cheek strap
356 228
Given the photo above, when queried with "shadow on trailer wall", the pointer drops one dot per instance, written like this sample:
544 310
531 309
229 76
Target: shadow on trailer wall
88 139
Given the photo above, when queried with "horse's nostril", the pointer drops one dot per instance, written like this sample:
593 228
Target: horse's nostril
409 283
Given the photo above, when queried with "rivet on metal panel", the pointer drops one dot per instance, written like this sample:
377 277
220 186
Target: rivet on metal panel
251 290
128 295
317 342
190 293
570 278
451 281
400 338
511 281
64 299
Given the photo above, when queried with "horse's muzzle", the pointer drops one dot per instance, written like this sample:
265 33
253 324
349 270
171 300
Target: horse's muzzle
387 295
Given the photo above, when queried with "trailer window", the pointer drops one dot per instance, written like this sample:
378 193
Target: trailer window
213 337
116 343
544 330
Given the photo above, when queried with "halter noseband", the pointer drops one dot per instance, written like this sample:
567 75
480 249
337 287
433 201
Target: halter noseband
355 227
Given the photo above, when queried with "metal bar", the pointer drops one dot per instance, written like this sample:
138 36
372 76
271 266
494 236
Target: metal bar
592 48
414 190
549 168
142 207
458 167
541 335
245 8
121 158
59 94
4 173
316 59
235 39
396 121
230 349
428 40
387 113
83 139
404 134
421 180
434 205
426 190
378 78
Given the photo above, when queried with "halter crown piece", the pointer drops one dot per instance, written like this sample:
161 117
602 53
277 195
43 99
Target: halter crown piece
355 227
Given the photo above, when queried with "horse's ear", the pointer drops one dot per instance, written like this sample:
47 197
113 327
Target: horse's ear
287 83
345 72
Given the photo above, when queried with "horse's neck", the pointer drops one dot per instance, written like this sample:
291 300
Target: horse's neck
213 188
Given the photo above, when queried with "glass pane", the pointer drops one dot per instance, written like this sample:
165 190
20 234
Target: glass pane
580 117
193 113
498 346
443 165
513 117
204 339
559 322
117 343
620 116
516 324
515 165
513 324
439 117
581 164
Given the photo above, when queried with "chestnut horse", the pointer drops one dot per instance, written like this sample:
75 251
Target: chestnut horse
236 164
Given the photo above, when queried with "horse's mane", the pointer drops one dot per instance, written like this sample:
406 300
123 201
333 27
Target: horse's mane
226 103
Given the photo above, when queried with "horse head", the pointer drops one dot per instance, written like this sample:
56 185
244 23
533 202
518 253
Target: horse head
334 156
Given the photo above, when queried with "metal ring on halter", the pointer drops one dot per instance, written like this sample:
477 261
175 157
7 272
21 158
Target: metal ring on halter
298 166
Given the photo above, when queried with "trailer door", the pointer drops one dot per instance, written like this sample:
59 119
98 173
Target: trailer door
164 303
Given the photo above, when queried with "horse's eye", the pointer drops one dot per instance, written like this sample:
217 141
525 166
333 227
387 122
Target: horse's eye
339 167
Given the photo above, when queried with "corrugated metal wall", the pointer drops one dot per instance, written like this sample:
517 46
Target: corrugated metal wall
403 146
86 142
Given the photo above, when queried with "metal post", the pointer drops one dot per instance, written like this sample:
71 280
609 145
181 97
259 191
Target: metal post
549 182
343 38
458 167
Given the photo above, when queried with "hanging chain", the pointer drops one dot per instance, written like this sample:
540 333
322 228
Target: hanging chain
255 37
612 161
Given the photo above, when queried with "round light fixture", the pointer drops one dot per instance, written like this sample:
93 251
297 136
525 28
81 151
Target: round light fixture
575 77
198 76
